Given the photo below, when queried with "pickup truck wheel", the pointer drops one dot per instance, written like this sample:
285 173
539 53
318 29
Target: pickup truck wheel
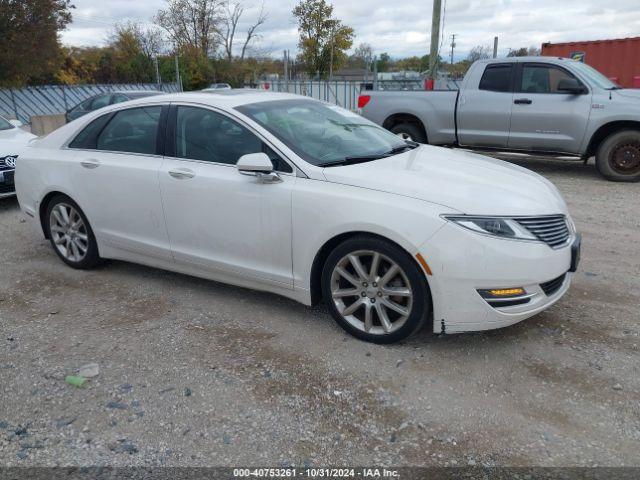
618 157
409 131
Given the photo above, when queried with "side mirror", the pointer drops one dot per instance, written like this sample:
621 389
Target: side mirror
16 123
258 165
571 86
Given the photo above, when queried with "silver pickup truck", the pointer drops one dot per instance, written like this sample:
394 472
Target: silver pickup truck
541 105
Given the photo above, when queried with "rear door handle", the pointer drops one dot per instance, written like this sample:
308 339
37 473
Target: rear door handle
523 101
182 173
90 163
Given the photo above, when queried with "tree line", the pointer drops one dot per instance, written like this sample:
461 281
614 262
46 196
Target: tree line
204 35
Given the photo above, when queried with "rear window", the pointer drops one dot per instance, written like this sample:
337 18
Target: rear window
497 78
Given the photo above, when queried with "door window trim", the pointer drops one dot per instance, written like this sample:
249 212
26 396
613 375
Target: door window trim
170 148
518 77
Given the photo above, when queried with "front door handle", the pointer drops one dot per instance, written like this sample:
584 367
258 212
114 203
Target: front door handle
182 173
523 101
90 163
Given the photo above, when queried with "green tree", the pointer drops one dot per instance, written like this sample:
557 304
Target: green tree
384 62
362 56
30 50
524 52
322 37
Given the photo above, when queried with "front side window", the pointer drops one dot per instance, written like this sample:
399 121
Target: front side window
133 130
209 136
497 78
320 133
543 78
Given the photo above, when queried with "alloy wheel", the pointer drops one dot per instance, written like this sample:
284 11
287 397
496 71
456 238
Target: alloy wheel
371 292
68 232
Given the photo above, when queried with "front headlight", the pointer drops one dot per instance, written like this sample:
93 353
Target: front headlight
495 226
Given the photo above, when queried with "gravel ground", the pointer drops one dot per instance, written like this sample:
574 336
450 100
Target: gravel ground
193 372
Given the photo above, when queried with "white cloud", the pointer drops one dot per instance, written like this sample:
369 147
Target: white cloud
403 28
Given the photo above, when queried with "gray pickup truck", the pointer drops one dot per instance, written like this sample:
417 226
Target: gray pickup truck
538 105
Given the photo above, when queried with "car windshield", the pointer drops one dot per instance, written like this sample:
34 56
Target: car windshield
324 134
595 77
5 125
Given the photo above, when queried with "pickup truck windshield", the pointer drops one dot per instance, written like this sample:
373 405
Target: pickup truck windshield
323 134
595 76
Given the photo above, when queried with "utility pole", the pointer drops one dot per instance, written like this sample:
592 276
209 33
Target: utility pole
155 61
453 45
435 36
178 79
285 60
331 60
495 47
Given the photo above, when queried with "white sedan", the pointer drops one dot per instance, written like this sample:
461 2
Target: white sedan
12 140
286 194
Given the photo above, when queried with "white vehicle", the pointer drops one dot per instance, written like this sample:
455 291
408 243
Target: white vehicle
286 194
12 141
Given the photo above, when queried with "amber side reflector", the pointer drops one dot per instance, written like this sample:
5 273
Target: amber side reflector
424 264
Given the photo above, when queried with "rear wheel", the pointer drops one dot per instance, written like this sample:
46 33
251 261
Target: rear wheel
375 290
70 233
618 157
409 131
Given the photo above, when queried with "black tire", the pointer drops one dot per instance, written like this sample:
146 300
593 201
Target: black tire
91 257
411 130
618 157
420 308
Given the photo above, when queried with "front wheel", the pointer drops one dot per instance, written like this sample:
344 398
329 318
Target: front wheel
618 157
70 233
374 290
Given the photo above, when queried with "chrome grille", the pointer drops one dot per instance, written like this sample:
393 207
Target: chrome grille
552 230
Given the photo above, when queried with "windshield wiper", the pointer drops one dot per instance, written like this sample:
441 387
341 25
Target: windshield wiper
367 158
353 160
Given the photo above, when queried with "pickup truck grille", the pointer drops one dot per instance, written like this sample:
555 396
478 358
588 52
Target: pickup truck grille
552 229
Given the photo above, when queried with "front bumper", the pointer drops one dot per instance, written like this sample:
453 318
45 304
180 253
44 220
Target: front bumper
464 262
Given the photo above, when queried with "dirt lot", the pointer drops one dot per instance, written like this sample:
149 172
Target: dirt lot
197 373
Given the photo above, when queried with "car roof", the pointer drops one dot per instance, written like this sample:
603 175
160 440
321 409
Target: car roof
539 59
137 92
223 99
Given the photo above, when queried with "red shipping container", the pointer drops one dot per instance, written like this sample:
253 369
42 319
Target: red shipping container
614 58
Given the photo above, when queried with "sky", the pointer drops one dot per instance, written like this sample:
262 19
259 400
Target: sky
400 28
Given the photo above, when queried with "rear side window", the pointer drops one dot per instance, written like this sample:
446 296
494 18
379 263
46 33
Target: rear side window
134 130
497 78
88 137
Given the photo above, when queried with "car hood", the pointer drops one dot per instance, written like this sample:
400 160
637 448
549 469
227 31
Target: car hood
12 140
629 93
466 182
